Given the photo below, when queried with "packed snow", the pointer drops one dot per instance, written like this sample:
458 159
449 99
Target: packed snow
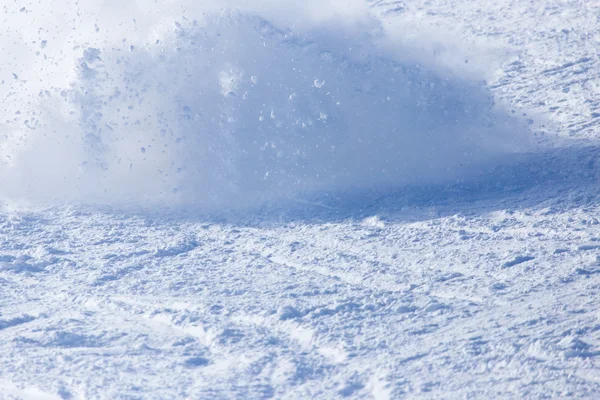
332 199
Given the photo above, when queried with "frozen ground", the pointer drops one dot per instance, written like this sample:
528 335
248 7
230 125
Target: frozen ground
482 286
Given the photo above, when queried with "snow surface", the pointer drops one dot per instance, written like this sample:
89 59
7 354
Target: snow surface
333 199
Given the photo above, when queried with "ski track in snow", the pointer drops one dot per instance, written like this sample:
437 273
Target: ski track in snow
483 289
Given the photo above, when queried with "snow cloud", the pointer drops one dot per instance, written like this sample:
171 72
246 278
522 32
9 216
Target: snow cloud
180 103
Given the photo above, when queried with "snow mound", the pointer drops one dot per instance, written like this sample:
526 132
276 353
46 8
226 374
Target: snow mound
234 110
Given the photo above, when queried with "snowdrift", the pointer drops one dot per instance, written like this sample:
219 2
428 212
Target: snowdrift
231 109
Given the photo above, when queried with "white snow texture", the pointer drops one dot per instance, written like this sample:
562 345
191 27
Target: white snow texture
253 199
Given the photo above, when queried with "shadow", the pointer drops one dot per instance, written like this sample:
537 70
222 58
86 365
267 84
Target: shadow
556 179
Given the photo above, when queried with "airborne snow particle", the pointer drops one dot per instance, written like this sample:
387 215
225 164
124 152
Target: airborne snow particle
319 84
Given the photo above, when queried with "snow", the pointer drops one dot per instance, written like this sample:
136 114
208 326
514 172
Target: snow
231 111
336 199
